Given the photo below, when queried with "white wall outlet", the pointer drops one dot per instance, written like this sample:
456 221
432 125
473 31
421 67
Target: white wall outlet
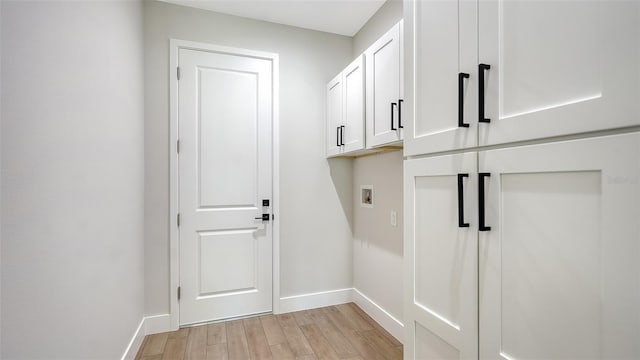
394 218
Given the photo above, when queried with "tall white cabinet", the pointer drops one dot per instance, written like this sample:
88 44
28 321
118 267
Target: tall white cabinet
522 179
494 72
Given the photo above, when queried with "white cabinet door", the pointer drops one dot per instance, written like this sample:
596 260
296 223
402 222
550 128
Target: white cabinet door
558 67
442 40
440 254
225 171
353 104
383 84
559 269
334 116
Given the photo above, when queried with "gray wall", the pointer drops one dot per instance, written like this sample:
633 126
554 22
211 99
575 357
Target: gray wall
387 16
378 246
316 252
72 178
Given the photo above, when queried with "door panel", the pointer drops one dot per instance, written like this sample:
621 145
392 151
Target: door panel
334 115
558 67
559 276
441 257
445 45
224 124
353 79
235 252
383 88
227 130
431 346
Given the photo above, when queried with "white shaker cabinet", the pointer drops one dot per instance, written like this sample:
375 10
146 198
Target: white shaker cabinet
441 37
441 251
543 241
384 89
345 110
557 67
334 116
559 269
536 69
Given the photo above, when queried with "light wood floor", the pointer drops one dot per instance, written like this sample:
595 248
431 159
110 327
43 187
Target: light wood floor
334 332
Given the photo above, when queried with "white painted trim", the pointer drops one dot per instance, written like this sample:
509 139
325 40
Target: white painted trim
174 256
275 138
148 325
136 341
315 300
157 324
394 326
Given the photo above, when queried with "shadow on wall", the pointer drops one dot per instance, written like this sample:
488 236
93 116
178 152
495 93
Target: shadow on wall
341 171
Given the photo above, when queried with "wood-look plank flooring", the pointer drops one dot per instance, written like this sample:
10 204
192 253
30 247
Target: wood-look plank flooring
341 332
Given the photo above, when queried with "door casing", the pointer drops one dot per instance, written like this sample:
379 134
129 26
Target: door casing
174 277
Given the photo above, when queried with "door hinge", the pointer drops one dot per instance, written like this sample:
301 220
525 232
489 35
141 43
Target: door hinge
178 146
178 72
179 292
178 219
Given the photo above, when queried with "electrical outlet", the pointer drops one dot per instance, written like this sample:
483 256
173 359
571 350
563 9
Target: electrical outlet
394 218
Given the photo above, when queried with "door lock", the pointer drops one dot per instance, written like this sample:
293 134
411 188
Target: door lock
264 217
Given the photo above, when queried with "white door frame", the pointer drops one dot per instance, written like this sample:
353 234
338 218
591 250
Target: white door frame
174 240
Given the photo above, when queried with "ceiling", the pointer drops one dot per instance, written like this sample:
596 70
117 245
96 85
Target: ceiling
344 17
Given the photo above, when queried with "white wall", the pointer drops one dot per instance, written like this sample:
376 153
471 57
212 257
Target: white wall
387 16
72 178
316 252
378 246
0 183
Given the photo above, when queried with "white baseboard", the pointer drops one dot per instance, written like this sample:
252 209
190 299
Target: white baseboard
315 300
380 315
148 325
132 349
157 323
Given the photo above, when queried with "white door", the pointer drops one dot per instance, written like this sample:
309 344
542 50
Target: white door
353 82
558 67
559 269
440 252
225 105
335 131
444 49
383 84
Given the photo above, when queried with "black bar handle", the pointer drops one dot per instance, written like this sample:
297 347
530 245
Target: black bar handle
400 114
481 224
461 222
392 105
481 69
342 135
337 135
461 77
264 217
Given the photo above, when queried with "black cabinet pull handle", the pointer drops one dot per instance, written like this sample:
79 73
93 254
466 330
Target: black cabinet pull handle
481 69
400 114
461 77
392 105
338 136
342 135
461 222
481 224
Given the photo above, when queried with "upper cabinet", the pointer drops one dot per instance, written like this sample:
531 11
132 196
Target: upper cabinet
494 72
345 111
384 84
334 116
